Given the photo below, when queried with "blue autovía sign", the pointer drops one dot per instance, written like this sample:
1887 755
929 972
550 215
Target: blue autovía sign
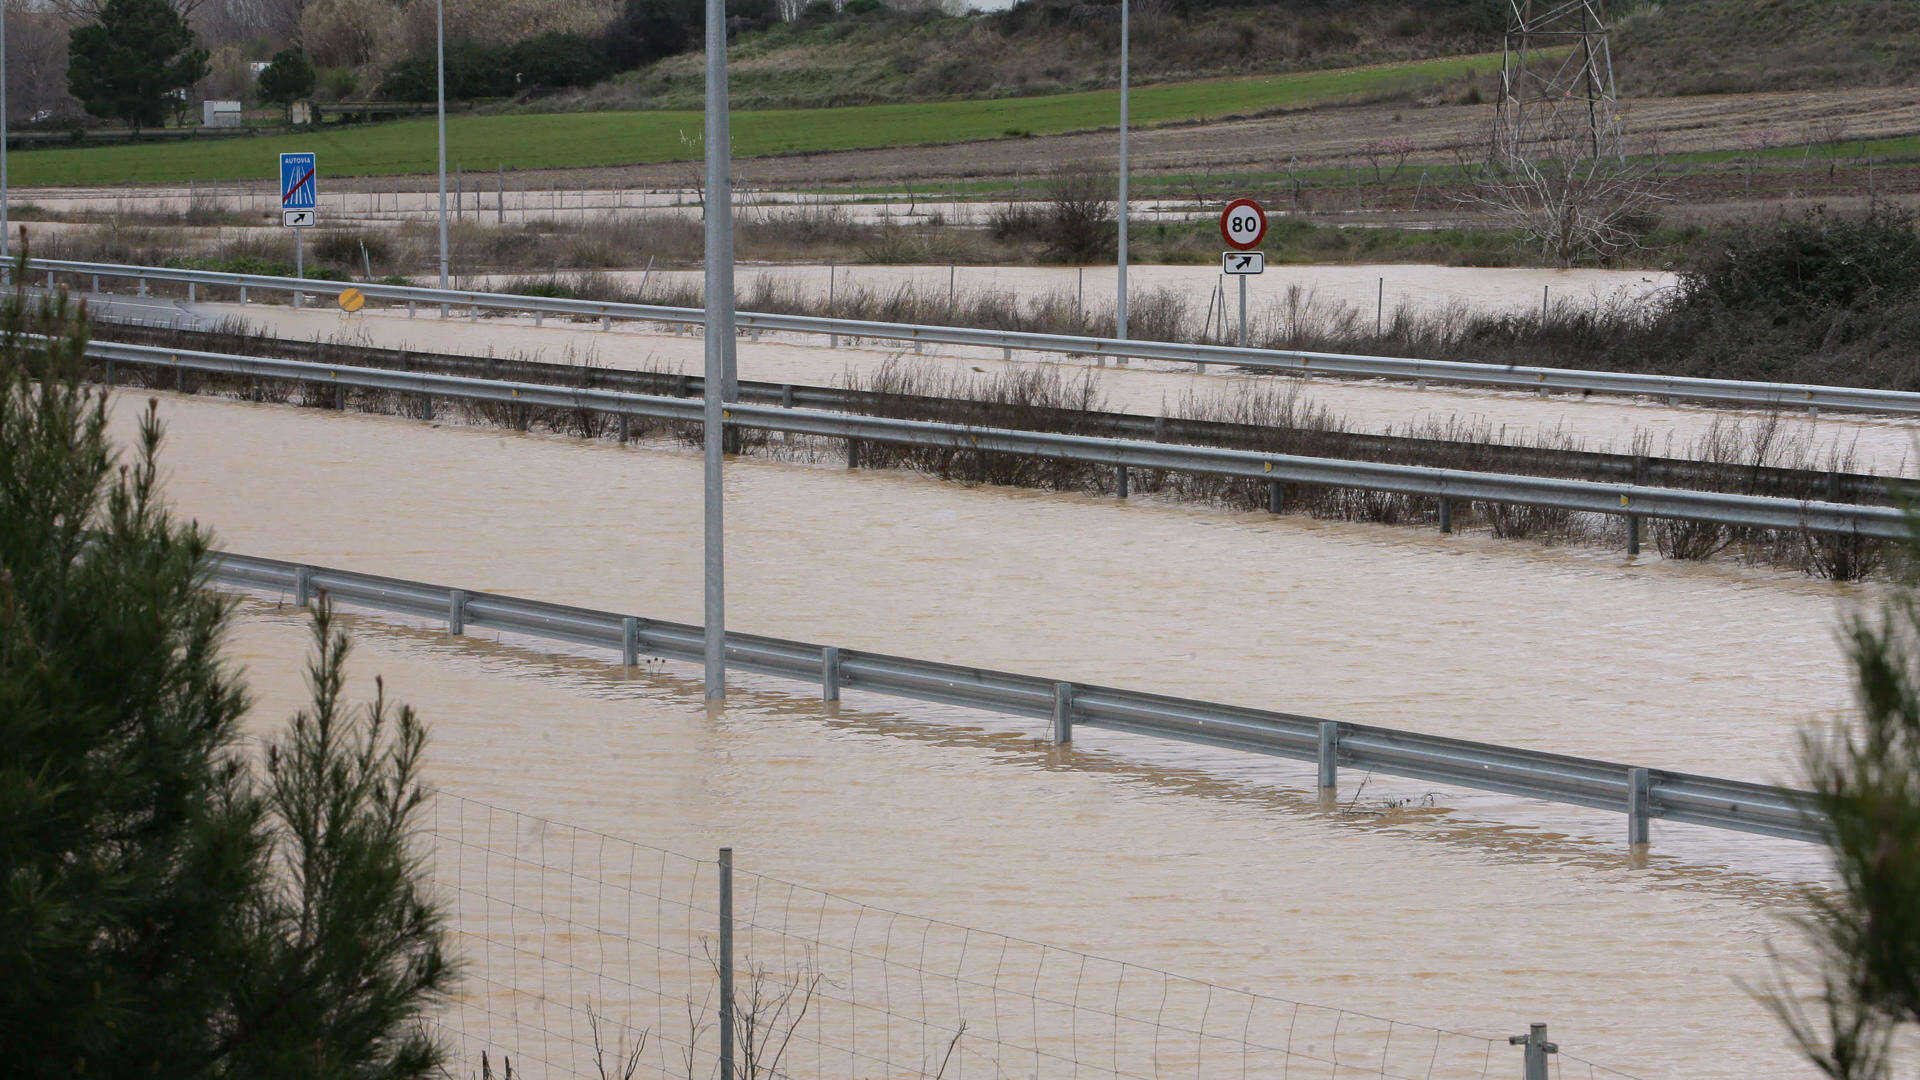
298 184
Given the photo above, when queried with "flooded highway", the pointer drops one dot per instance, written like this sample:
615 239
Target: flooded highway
1220 866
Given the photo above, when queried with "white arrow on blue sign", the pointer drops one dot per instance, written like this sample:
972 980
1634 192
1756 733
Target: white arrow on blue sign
299 184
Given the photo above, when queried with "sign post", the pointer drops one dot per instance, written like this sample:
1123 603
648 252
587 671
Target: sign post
1243 225
299 206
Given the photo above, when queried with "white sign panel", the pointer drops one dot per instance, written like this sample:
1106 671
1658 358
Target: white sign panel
1243 262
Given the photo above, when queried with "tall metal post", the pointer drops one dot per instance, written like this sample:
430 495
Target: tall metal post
719 330
440 90
726 955
500 194
1120 302
6 250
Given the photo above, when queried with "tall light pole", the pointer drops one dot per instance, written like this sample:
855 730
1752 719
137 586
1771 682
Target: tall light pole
6 250
1120 304
440 81
719 331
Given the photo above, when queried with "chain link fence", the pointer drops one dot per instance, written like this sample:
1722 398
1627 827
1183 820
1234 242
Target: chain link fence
590 956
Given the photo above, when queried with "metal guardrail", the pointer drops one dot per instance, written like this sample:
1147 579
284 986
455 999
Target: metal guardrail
1633 501
1763 394
1655 470
1643 794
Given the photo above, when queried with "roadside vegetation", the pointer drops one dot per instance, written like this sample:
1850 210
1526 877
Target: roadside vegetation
178 902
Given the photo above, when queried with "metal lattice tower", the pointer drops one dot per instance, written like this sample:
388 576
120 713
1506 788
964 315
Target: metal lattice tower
1556 80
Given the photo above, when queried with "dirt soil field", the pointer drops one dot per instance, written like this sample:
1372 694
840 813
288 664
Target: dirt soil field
1441 134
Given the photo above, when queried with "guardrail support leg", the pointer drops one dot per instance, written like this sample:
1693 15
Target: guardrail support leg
1639 806
243 294
786 395
340 399
303 587
1122 481
96 285
426 406
143 287
629 641
409 309
109 373
1062 732
1633 534
606 323
179 378
1329 755
539 318
626 428
830 674
1446 515
457 612
473 313
1006 353
853 453
193 292
1276 497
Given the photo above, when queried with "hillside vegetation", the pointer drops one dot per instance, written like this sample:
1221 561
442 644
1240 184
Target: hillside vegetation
1037 49
1741 46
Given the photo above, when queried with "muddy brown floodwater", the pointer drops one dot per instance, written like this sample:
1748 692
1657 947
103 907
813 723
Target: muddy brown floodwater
1477 914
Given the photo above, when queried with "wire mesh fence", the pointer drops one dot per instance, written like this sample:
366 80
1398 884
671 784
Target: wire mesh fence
588 955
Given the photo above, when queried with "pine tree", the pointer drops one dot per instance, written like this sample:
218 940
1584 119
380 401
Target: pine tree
134 61
164 909
1866 783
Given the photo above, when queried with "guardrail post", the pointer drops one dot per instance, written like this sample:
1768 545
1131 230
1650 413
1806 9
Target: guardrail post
302 587
853 453
1062 732
1122 481
193 292
539 318
473 313
243 294
830 673
457 612
96 284
629 641
1633 534
426 406
1276 497
1446 515
340 397
786 395
1534 1064
1639 806
626 428
109 372
1329 755
142 290
606 323
1006 352
409 309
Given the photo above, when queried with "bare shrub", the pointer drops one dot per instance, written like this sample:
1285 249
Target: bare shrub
1078 219
1570 201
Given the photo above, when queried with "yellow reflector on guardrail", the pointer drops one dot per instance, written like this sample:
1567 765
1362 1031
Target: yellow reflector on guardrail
352 300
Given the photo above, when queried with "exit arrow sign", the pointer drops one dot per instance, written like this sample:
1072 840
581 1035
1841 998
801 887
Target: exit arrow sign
1243 262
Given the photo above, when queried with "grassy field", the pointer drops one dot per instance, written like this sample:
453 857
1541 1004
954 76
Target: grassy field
622 138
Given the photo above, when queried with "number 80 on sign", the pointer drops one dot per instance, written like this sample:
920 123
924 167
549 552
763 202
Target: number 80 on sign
1243 224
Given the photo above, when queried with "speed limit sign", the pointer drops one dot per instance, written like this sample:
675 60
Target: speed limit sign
1243 224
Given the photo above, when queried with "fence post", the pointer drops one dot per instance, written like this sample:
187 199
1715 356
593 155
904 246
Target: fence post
457 612
1535 1061
830 673
629 641
1329 754
1062 732
726 965
302 587
1639 806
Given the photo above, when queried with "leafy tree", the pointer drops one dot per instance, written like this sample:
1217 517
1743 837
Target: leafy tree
1866 781
289 78
132 62
165 910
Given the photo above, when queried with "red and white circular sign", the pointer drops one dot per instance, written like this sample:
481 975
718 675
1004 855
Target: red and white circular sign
1243 224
